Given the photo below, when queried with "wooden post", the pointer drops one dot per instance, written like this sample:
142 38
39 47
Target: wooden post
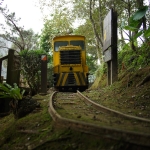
1 60
0 71
13 74
43 74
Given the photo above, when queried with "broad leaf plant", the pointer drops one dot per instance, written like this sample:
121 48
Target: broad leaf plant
14 94
7 91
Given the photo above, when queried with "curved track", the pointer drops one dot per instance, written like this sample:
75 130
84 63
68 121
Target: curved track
137 138
111 111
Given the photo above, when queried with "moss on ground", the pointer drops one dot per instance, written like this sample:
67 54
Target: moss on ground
126 95
37 130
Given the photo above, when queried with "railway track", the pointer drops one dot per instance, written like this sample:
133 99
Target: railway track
74 110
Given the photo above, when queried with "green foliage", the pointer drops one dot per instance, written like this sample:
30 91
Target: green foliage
140 57
58 25
45 42
27 53
30 68
135 20
85 30
46 36
132 59
144 55
91 63
140 13
101 70
92 28
147 32
48 32
7 91
125 55
132 24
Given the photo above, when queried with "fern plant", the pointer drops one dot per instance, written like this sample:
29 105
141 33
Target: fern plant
7 91
14 93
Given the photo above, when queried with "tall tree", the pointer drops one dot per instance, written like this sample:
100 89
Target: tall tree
95 12
21 39
31 40
57 25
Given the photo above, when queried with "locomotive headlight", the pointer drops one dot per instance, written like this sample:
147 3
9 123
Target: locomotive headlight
71 68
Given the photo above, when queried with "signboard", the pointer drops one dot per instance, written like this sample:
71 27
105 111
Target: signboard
110 45
110 35
107 31
108 54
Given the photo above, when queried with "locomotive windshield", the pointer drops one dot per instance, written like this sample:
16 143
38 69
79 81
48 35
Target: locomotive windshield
60 43
77 43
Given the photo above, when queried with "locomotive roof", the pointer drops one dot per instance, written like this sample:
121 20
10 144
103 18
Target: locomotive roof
63 36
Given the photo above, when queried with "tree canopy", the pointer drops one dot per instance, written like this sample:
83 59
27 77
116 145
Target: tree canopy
20 38
85 17
131 14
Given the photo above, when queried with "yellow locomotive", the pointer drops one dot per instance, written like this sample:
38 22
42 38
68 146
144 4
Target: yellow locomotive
70 71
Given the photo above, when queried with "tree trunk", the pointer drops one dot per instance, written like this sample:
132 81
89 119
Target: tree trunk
97 36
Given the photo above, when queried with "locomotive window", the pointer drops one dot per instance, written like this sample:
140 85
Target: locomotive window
60 43
77 43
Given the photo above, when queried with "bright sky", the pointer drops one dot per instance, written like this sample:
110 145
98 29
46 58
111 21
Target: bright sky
31 16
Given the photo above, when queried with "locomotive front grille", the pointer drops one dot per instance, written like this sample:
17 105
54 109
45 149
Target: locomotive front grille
70 57
71 78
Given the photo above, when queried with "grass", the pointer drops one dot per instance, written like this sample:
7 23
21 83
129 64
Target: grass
125 97
37 131
30 129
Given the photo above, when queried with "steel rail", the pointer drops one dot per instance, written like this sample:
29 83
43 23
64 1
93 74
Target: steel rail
103 131
108 110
